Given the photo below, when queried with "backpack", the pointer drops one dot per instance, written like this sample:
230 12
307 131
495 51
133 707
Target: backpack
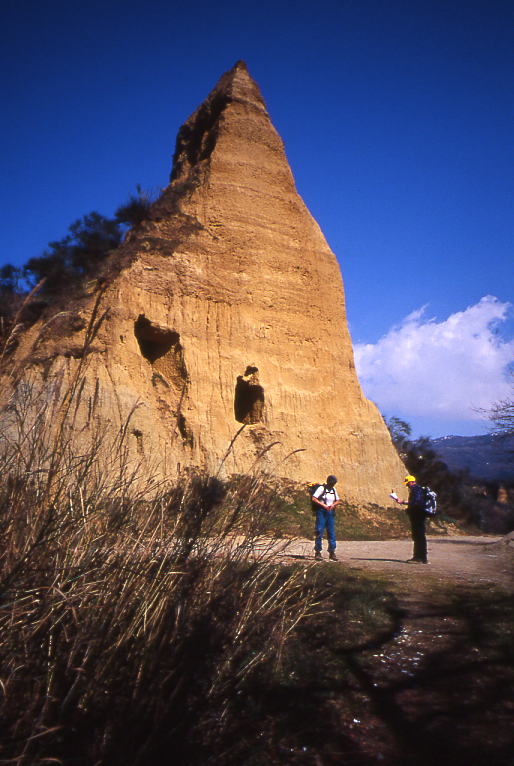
312 490
429 501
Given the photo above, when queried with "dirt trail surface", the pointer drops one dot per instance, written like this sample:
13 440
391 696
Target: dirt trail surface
438 686
464 559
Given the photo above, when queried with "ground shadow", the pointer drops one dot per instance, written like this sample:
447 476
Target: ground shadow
366 558
456 541
417 695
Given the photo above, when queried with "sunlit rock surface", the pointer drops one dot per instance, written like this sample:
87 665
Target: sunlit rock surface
225 308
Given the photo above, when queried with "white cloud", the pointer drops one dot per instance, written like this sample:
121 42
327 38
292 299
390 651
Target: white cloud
439 369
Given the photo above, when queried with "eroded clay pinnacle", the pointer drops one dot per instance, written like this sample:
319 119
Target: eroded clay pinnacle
198 135
238 84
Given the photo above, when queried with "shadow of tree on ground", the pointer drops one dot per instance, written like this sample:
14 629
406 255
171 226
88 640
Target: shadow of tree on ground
430 681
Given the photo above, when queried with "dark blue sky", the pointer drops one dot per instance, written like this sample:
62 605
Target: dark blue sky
396 117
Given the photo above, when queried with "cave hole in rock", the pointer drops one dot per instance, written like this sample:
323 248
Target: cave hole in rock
249 397
154 340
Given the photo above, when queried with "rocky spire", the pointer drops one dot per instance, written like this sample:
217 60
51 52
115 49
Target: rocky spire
197 137
227 309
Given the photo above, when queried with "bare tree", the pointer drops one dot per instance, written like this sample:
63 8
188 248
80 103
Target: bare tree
501 415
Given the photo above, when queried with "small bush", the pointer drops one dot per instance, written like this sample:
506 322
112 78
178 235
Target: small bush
136 209
79 254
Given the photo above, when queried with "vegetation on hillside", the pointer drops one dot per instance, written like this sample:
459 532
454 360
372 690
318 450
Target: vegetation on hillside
459 496
294 516
67 262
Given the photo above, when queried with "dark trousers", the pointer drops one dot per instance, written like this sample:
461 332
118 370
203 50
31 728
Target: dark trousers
417 527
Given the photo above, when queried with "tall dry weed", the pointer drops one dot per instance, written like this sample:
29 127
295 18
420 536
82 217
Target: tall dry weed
132 615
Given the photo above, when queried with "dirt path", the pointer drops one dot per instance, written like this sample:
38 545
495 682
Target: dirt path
473 560
438 688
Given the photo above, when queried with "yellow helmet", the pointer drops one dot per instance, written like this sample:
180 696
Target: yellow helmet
408 479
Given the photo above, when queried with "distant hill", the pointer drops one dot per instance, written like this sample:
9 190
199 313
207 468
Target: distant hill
486 457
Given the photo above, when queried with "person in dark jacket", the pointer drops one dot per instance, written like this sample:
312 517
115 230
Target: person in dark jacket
417 516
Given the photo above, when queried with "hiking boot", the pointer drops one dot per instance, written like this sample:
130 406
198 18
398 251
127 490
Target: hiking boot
416 561
332 556
318 556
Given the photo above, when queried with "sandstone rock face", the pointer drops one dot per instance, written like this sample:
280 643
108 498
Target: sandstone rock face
224 309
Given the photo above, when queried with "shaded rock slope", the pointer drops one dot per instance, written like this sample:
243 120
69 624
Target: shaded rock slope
225 308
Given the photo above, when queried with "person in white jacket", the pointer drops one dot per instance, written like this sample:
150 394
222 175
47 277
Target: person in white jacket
326 499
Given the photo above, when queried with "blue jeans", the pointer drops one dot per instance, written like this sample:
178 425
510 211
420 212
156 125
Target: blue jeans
325 519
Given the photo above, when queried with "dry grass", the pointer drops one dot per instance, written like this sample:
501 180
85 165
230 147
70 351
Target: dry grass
132 615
